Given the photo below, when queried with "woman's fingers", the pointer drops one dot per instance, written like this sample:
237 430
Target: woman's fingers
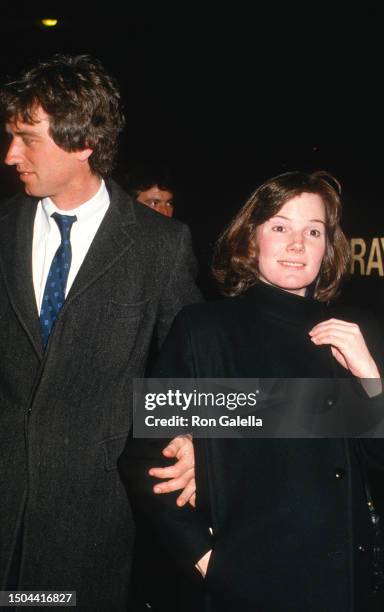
348 346
181 474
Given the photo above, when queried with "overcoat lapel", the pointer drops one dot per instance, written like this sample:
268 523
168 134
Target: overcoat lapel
114 237
16 235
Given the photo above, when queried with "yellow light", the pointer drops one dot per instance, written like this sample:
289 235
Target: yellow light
49 23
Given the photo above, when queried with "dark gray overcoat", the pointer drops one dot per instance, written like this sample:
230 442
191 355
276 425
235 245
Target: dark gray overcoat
65 412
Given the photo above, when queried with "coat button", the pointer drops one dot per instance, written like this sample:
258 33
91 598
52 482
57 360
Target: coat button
339 474
330 402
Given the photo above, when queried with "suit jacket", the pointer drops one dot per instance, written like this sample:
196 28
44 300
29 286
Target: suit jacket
289 516
65 412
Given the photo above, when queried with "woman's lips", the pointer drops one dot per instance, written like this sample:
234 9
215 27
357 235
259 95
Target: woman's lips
292 264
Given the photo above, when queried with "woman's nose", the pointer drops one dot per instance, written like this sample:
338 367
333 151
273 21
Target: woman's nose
296 243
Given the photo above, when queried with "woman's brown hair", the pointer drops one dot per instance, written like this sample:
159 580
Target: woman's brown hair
235 257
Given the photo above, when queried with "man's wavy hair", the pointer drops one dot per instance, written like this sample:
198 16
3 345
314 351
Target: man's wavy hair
81 99
235 262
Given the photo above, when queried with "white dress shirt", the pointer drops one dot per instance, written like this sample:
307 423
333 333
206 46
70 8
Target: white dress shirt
47 238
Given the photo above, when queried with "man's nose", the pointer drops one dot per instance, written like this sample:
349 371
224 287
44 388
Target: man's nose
14 155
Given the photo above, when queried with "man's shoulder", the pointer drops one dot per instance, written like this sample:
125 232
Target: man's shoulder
11 206
164 228
154 219
149 220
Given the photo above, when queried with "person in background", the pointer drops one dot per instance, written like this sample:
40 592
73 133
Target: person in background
153 187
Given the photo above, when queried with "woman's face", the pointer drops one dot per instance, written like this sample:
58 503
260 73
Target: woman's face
291 244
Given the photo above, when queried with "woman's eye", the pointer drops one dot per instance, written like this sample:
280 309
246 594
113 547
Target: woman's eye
278 228
315 232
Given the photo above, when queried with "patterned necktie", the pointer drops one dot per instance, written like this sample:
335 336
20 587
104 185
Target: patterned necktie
54 293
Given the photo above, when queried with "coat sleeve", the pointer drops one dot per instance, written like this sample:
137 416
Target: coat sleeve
183 531
373 449
181 289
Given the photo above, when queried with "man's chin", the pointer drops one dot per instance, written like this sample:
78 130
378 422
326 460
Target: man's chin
32 192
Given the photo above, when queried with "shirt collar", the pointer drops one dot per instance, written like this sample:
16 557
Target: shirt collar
85 211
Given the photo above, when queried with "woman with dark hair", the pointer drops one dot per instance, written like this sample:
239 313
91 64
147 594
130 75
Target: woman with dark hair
236 264
292 526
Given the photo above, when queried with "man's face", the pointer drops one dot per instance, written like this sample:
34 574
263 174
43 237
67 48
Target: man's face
43 167
158 199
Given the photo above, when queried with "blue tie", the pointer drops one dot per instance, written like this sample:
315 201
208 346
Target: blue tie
54 293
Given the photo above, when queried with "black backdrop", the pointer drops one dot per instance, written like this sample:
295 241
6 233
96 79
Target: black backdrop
230 98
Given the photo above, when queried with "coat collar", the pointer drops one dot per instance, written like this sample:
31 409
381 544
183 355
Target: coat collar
286 306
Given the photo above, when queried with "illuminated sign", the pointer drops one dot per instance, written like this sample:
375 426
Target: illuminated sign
367 256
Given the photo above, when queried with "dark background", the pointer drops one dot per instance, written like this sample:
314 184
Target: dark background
230 97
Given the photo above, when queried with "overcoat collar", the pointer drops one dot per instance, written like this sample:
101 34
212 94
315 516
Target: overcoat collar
286 306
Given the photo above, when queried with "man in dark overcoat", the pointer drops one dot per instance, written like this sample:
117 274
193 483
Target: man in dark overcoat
87 279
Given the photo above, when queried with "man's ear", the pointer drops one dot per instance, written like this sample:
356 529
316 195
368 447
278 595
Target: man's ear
84 154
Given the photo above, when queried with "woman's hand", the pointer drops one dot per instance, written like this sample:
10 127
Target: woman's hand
347 345
181 473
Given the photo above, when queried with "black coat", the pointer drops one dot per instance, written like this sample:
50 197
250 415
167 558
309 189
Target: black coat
65 413
290 518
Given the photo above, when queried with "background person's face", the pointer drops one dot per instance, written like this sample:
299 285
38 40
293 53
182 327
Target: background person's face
158 199
291 245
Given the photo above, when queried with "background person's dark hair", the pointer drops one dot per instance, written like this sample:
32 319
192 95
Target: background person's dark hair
235 263
81 99
143 177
